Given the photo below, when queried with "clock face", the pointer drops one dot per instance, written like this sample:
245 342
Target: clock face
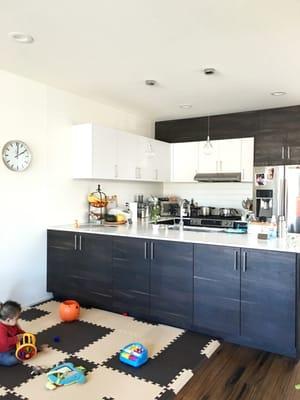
16 155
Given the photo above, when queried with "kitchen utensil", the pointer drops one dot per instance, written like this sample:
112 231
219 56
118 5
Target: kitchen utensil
204 211
247 204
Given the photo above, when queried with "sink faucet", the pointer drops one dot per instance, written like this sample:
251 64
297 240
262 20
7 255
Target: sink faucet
181 204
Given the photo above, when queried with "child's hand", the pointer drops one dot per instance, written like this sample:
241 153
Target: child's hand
20 337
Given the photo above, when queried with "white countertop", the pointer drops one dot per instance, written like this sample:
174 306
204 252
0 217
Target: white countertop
145 230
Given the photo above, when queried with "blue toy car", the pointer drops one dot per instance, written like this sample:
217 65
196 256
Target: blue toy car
65 374
134 354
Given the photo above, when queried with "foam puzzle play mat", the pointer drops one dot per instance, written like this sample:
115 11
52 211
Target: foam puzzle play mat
102 355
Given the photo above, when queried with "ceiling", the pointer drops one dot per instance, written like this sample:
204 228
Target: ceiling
105 49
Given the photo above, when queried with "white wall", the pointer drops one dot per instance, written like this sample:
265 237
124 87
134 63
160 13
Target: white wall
211 194
45 194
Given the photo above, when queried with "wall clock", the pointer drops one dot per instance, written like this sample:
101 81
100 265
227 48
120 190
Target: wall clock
16 155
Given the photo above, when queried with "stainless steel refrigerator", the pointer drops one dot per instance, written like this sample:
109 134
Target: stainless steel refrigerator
276 191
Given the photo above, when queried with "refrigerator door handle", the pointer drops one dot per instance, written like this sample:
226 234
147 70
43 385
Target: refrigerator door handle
288 152
282 152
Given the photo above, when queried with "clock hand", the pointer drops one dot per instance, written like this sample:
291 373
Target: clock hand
22 152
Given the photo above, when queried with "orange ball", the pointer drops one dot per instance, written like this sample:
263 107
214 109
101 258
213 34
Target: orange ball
69 310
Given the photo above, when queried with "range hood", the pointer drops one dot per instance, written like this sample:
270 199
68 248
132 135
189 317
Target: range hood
218 177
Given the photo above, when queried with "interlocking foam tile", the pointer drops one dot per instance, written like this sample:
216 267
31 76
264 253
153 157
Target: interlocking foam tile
47 358
178 383
159 337
40 324
30 314
72 336
11 396
114 321
100 383
51 306
103 349
10 377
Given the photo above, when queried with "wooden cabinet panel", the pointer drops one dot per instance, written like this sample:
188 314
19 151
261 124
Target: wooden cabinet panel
280 120
247 159
171 283
217 288
181 130
184 161
269 149
131 276
293 148
234 125
80 265
268 284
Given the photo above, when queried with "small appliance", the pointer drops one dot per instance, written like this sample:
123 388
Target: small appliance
169 209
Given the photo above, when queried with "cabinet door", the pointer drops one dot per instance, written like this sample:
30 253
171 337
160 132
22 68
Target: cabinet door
208 163
268 299
184 161
269 149
235 125
104 153
62 258
94 278
230 155
127 147
162 161
146 168
293 148
131 276
217 289
171 283
247 156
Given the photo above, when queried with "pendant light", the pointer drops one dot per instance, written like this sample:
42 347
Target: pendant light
208 147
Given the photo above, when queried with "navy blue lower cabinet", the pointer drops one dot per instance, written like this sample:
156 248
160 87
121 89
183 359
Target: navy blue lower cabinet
217 289
80 266
131 276
268 300
171 283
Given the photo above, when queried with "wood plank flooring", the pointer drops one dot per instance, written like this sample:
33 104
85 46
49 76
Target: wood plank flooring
240 373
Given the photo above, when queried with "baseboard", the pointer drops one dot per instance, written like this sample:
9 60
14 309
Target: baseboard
39 301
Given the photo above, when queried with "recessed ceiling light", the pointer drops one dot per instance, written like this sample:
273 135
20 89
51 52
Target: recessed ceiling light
278 93
209 71
185 106
21 37
150 82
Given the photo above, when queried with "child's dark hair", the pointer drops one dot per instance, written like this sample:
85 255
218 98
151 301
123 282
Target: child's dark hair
9 310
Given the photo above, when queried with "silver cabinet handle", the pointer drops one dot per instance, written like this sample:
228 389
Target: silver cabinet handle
156 174
282 152
243 174
217 166
75 242
136 172
220 165
235 254
288 152
244 261
116 171
80 243
145 250
152 251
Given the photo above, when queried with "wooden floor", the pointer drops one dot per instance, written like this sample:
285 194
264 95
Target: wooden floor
240 373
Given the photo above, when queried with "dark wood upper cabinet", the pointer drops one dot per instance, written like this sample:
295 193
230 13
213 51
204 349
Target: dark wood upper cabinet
269 149
235 125
182 130
280 120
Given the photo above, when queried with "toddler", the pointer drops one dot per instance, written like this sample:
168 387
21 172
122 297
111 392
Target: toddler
10 332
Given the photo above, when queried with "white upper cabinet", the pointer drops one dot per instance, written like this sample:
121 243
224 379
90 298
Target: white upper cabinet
127 147
230 155
247 162
208 163
225 156
94 152
106 153
184 161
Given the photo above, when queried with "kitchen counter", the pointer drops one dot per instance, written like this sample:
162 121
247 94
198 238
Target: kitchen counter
145 230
